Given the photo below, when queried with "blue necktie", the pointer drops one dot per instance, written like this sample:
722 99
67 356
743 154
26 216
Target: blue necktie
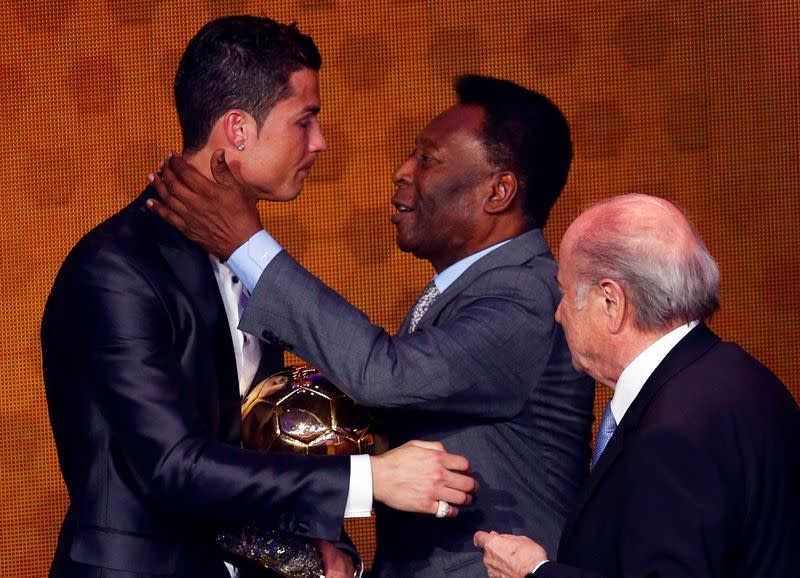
607 426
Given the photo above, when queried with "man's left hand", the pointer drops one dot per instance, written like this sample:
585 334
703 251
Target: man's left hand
335 562
508 556
218 215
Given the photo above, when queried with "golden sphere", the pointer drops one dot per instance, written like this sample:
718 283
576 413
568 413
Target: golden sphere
300 411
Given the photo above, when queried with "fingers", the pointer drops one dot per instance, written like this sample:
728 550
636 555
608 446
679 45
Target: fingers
427 445
166 213
158 183
454 462
336 563
462 482
326 549
169 208
181 195
480 538
453 496
172 194
455 489
184 178
166 184
450 461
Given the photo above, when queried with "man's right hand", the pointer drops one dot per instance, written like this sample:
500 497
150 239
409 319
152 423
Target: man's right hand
416 475
218 215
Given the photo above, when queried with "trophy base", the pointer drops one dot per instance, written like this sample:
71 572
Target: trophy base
284 553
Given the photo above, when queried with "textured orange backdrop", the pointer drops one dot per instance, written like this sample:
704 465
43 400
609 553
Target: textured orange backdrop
694 101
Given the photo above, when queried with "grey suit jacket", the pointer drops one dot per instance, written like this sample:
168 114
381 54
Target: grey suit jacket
487 372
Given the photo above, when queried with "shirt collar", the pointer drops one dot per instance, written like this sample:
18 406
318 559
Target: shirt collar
448 276
634 376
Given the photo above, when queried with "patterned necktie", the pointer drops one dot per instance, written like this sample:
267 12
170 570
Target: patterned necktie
607 426
424 303
247 363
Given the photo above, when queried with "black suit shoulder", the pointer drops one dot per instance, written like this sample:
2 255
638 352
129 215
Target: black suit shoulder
701 480
724 386
129 238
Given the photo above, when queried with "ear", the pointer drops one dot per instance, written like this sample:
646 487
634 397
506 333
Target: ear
504 191
614 305
236 125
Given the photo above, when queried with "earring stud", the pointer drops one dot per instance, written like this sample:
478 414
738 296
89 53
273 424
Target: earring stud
240 146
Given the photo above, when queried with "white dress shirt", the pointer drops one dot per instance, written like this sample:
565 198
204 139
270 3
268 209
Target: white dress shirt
634 376
245 347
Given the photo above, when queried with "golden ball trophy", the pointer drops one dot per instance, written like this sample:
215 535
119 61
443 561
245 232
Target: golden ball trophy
298 411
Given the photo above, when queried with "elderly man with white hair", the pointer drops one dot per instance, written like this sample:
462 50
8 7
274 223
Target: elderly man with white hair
696 467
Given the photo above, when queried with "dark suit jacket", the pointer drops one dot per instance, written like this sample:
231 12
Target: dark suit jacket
487 372
144 404
701 478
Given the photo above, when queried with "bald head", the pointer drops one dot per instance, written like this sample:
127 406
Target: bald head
649 246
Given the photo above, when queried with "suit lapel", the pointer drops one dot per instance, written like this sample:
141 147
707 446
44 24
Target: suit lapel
192 270
696 343
516 251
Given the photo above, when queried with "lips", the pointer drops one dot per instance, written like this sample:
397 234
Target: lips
307 166
402 210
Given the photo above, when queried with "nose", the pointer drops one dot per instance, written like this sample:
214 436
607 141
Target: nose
402 175
317 143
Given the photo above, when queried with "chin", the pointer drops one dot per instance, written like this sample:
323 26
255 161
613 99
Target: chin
403 245
283 196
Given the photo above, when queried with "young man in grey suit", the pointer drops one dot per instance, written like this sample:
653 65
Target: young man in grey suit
144 366
479 362
700 477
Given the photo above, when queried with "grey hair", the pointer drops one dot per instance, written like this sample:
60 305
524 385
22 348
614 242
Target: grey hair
666 285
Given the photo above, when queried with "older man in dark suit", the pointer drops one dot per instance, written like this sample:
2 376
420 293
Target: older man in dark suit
479 362
144 366
697 462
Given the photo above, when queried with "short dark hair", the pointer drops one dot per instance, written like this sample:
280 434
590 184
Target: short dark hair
526 134
237 62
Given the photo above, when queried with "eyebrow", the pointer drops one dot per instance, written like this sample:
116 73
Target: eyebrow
310 109
425 142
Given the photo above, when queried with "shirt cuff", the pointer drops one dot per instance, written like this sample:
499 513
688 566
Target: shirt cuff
359 495
250 259
539 565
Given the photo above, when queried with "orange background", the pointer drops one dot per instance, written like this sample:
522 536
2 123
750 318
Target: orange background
694 101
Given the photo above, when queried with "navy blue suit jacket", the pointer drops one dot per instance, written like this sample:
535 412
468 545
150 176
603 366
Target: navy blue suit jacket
701 478
144 405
